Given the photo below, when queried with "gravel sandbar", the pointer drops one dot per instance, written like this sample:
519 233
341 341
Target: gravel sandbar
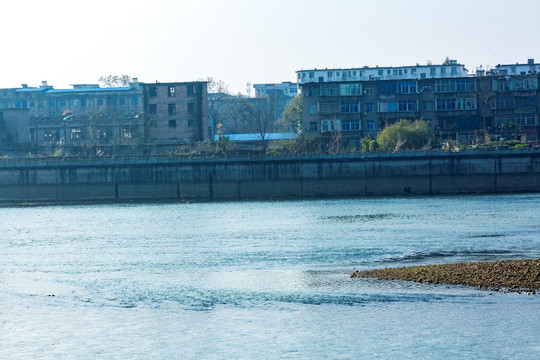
508 275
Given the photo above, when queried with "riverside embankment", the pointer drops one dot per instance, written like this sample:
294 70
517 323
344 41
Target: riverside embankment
125 179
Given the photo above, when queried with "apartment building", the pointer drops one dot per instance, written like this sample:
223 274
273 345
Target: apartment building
346 105
112 119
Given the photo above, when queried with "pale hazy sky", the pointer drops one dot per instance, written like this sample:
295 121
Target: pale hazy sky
69 41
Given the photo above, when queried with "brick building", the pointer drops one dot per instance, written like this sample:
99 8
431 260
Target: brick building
175 112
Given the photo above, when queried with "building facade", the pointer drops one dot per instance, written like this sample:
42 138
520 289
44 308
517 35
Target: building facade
92 120
175 112
14 130
345 105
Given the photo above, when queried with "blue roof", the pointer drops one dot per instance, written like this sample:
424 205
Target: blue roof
31 89
257 137
94 89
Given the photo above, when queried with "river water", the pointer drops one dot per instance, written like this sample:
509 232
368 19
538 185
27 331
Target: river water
263 280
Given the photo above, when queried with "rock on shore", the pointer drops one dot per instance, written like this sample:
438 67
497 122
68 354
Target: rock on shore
509 275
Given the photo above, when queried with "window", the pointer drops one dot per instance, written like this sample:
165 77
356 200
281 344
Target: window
190 90
351 143
407 105
171 91
433 71
330 74
350 125
526 120
395 72
387 106
172 109
443 71
426 87
501 84
465 85
311 75
369 90
329 107
191 108
329 90
453 70
50 135
83 102
526 84
312 126
442 86
152 91
466 104
407 87
172 123
350 89
311 92
126 133
313 109
380 72
506 102
101 134
387 87
446 104
349 107
525 101
369 107
152 109
329 125
100 102
75 134
135 99
370 125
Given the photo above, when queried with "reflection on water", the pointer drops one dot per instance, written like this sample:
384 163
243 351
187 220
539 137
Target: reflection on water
232 280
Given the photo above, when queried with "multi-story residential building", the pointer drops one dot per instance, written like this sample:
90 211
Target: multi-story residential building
175 112
45 101
287 88
530 68
279 95
346 105
85 116
449 69
113 119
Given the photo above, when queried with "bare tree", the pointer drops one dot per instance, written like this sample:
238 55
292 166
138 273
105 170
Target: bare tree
218 96
259 116
115 80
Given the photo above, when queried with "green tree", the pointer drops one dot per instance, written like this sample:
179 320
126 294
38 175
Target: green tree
405 135
291 119
369 145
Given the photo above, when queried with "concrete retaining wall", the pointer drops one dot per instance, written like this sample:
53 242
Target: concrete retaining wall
64 180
